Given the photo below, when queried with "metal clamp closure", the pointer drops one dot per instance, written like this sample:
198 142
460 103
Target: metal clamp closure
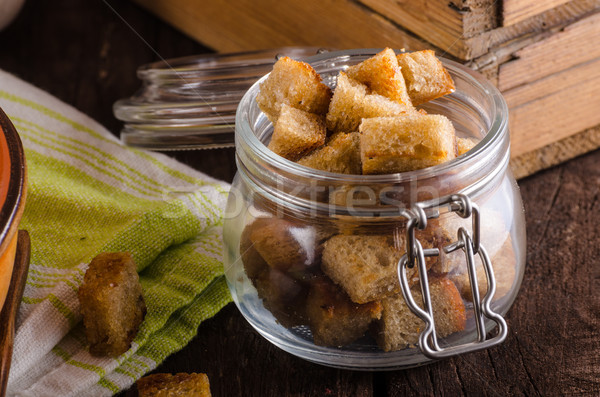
471 246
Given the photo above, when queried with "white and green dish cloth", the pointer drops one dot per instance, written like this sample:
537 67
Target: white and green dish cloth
87 193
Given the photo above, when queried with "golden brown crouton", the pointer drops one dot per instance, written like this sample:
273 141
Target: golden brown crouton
281 258
381 74
111 303
167 385
364 266
503 264
399 327
283 296
340 154
352 101
295 84
407 143
334 319
463 145
286 246
253 263
355 196
297 133
425 76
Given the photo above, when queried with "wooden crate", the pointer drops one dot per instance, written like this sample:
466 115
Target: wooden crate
543 55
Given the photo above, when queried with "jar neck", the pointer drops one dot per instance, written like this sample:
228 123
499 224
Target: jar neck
314 191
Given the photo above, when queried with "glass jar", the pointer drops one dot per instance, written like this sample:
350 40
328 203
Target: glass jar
326 265
190 102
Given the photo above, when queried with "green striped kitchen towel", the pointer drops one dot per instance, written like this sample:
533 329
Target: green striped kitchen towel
87 193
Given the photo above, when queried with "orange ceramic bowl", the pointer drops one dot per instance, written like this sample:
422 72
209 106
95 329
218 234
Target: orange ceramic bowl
13 186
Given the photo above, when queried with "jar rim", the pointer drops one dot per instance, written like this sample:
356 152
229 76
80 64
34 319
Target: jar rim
486 148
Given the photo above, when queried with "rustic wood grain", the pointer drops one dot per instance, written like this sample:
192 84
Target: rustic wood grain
514 11
563 252
85 54
574 45
259 24
497 46
543 112
555 153
465 29
446 25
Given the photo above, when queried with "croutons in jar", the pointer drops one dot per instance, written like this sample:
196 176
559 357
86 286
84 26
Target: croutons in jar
344 226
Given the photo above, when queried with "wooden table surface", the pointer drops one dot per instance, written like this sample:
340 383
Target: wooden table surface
86 54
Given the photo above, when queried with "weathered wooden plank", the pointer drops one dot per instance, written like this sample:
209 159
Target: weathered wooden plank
514 11
464 29
489 63
560 83
425 18
488 44
468 29
445 24
554 114
257 24
576 44
561 208
479 15
555 153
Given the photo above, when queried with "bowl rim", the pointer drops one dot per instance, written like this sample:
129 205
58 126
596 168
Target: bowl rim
13 196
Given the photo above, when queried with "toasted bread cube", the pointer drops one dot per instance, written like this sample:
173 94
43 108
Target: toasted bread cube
463 145
352 101
295 84
253 262
112 304
283 296
297 133
411 142
287 246
503 264
361 195
333 318
426 77
280 259
399 327
181 384
364 266
382 75
354 196
340 154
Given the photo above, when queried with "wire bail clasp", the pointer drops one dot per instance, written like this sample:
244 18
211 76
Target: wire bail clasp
471 246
